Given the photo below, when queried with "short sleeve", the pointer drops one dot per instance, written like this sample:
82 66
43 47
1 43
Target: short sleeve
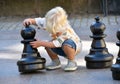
41 22
58 42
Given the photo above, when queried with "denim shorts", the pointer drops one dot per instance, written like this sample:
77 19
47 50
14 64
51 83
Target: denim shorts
60 51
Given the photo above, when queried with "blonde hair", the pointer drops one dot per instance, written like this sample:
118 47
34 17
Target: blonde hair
56 19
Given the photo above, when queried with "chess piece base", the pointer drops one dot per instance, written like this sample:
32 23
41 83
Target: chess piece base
31 64
115 71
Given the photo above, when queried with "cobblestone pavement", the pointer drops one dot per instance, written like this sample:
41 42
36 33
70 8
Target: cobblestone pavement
10 23
11 50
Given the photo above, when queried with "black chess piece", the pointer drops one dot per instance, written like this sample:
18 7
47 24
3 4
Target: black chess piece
98 57
31 59
116 67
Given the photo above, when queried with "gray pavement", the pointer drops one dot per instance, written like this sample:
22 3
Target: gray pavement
11 50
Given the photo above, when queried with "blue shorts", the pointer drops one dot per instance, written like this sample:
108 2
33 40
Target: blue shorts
60 51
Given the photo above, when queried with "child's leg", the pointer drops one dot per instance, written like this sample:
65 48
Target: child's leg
51 54
70 52
69 49
55 60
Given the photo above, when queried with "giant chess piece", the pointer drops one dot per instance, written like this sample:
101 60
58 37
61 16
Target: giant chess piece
116 67
98 57
31 59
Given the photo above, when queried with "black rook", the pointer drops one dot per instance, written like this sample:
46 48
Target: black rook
31 59
98 57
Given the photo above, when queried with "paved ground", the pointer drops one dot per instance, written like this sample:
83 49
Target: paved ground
11 50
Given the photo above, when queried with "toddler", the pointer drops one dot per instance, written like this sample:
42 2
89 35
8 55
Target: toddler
65 42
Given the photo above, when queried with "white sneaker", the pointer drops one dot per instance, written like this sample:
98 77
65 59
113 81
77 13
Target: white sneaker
71 66
54 65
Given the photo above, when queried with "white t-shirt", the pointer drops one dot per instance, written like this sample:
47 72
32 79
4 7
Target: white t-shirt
68 34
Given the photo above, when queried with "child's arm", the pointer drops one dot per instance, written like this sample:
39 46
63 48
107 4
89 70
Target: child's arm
36 44
40 22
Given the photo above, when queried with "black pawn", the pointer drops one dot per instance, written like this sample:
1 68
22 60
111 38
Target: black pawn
116 67
98 57
31 59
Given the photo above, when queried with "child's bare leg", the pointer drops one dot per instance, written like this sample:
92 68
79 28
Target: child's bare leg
55 60
51 54
70 52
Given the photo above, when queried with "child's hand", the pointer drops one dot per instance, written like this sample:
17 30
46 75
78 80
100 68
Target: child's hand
35 44
27 22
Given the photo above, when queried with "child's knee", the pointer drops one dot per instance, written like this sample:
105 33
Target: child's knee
69 44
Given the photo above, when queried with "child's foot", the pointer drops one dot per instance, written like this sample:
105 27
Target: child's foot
71 66
54 65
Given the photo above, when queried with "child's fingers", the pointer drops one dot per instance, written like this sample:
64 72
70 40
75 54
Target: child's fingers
33 44
24 23
27 22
